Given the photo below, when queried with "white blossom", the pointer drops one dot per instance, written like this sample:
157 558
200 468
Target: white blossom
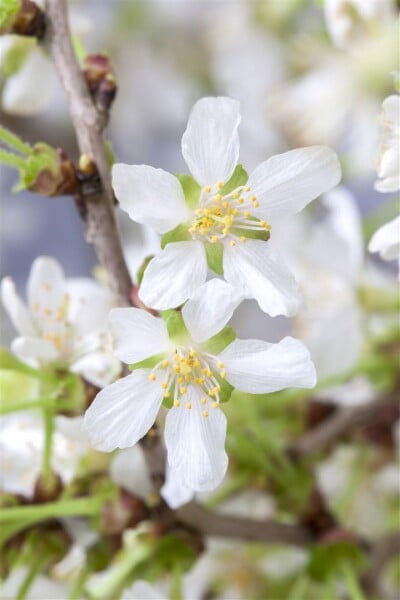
64 322
389 156
386 241
189 374
278 187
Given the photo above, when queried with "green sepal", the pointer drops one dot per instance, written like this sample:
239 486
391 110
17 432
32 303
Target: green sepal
16 386
220 341
142 268
179 234
191 189
326 559
253 234
176 326
168 402
238 177
226 388
214 253
8 11
147 363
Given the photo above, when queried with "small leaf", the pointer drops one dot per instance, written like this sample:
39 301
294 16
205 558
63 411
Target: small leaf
214 254
179 234
8 11
191 190
239 177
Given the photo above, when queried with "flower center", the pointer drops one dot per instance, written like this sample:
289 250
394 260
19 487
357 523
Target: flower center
227 216
52 323
187 366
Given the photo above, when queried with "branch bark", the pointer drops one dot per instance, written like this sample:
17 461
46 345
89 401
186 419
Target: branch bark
101 229
338 425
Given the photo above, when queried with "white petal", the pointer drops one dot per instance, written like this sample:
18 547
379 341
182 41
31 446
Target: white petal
46 289
174 275
196 444
142 590
123 412
258 367
259 273
15 308
286 183
88 306
386 240
174 491
137 334
209 309
150 196
129 470
210 144
36 348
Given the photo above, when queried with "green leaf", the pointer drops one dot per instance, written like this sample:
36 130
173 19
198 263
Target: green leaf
191 189
8 11
220 341
179 234
176 327
214 253
239 177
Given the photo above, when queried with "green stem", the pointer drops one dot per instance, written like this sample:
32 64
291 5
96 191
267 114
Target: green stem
77 507
13 141
48 418
31 575
352 584
11 160
42 403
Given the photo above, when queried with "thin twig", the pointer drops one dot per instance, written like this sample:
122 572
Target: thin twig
339 424
100 220
218 525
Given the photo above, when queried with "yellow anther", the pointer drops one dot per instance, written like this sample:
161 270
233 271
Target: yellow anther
203 400
256 204
223 374
183 390
188 405
214 239
181 379
192 353
235 211
247 188
177 403
207 189
220 365
165 363
187 377
47 311
232 243
217 197
164 386
211 392
207 211
205 413
46 286
220 185
242 239
253 198
35 307
152 377
247 213
225 204
199 211
241 200
215 404
235 195
262 223
167 394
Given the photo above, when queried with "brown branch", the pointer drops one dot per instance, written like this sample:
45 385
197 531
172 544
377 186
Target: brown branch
101 230
339 424
218 525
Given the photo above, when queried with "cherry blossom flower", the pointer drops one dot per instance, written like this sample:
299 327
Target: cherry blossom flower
64 323
191 375
386 241
222 218
389 155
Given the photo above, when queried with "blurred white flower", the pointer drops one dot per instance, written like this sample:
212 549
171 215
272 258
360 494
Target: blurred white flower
278 187
195 427
64 323
389 156
386 241
21 450
348 20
